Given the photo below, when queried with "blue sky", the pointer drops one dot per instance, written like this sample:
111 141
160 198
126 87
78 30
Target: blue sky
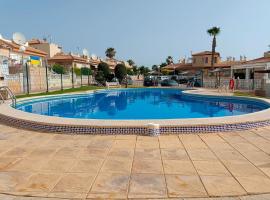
146 31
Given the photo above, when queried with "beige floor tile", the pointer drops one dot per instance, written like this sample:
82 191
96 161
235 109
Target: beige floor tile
109 185
7 197
65 195
179 167
201 154
67 152
174 154
40 182
57 165
9 180
153 154
192 142
228 155
147 138
147 166
75 182
117 165
255 184
93 152
257 157
28 164
90 165
121 153
256 197
40 152
266 169
214 168
222 186
242 168
147 144
18 152
147 186
127 144
126 137
7 162
170 142
101 143
185 186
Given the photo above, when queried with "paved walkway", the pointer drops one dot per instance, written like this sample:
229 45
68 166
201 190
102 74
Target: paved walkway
55 166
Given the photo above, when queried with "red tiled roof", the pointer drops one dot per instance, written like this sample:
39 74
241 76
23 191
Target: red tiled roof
67 57
29 50
36 41
204 53
189 66
258 60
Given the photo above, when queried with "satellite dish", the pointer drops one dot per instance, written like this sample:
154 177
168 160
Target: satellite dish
94 57
85 52
18 38
22 48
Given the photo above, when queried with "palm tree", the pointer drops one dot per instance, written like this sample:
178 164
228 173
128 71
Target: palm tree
169 60
110 52
214 31
131 62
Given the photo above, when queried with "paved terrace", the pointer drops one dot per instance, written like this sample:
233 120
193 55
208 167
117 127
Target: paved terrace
53 166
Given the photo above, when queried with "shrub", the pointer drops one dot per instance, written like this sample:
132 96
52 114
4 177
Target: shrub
58 69
86 71
77 71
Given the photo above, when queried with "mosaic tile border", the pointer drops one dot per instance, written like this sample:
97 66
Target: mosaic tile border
121 130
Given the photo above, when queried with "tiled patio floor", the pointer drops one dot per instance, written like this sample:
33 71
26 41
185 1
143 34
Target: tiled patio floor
51 166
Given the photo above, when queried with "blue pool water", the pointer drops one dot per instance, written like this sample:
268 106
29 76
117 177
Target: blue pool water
147 103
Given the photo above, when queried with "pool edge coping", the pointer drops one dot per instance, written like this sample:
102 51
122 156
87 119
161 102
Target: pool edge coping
13 117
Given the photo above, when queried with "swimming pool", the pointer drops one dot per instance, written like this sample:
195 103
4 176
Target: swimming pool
140 104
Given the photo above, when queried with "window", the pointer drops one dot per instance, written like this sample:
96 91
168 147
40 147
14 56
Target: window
206 60
215 59
194 60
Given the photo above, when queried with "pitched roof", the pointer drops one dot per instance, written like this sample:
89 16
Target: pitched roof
204 53
16 48
36 41
258 60
68 58
189 66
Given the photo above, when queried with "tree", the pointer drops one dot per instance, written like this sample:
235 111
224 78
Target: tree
104 68
59 69
144 70
155 68
163 65
86 71
135 70
130 72
110 52
214 31
100 77
120 72
169 60
131 62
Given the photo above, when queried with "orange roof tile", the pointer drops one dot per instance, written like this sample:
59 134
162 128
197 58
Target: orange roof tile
29 50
